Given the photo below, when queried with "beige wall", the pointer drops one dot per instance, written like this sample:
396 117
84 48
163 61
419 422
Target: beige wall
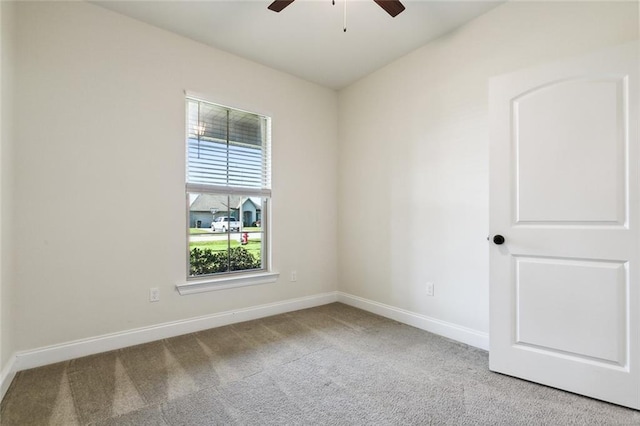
99 176
99 127
7 54
413 164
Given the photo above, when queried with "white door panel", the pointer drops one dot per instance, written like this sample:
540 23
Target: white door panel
564 194
572 307
565 126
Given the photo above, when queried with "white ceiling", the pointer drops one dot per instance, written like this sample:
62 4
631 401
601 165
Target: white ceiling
306 39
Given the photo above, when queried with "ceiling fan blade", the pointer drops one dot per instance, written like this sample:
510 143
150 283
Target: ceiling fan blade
393 7
278 5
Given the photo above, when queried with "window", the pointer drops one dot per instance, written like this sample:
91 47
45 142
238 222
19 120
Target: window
228 187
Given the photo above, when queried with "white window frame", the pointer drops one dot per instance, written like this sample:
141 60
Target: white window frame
230 279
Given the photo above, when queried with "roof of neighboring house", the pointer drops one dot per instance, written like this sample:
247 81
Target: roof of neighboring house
257 204
206 202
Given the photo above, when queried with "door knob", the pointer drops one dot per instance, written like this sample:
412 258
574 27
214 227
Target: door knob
498 239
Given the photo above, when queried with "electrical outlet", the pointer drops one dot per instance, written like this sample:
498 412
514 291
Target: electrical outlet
154 294
294 276
429 289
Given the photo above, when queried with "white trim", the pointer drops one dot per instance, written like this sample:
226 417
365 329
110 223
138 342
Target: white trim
6 375
462 334
196 96
108 342
229 281
205 188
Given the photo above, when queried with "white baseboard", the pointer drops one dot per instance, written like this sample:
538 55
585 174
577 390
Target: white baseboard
6 375
94 345
466 335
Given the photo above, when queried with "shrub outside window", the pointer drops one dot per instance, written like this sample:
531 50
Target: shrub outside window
228 188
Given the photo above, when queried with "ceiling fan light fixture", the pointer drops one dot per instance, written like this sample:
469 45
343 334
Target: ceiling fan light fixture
392 7
278 5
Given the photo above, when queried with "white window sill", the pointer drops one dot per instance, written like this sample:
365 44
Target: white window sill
223 283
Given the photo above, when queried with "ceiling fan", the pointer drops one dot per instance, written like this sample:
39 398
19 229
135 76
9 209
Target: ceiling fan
392 7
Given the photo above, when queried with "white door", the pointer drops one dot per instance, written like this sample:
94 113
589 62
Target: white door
564 194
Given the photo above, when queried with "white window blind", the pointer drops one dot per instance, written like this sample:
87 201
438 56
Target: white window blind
227 150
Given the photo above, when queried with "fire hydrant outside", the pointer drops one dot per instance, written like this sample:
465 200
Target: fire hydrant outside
244 239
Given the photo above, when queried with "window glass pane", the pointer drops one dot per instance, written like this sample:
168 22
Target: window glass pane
226 147
252 233
225 233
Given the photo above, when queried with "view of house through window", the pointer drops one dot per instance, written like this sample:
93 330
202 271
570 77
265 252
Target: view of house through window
228 189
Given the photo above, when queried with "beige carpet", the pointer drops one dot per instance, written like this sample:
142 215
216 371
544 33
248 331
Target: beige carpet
332 365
